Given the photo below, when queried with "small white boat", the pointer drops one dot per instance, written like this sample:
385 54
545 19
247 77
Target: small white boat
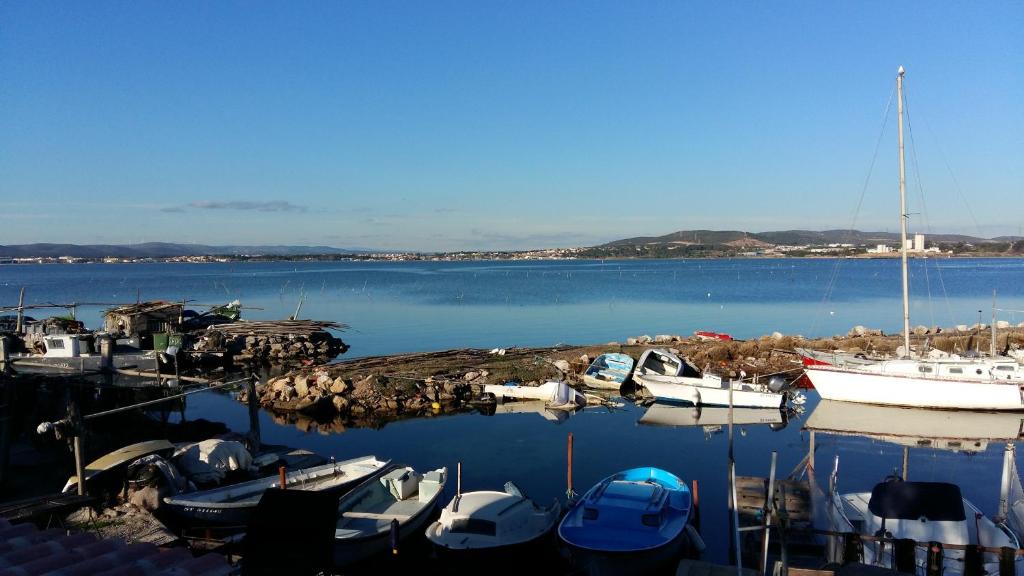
553 394
234 504
486 520
661 362
365 514
711 390
923 512
608 371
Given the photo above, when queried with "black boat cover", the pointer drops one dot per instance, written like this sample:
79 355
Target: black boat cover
935 501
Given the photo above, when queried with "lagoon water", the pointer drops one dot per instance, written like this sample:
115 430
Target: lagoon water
399 307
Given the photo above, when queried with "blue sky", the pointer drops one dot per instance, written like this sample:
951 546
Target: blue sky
451 125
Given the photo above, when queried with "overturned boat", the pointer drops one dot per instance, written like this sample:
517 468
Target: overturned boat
553 394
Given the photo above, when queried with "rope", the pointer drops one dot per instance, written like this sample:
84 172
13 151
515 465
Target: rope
853 222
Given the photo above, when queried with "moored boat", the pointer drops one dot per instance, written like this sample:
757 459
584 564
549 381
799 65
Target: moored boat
711 390
631 522
365 514
490 520
608 371
233 505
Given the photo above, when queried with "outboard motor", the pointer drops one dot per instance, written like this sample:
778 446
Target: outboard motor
777 384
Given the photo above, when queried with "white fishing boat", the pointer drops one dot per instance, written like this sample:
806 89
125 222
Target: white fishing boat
365 515
488 520
711 390
923 512
234 504
992 383
661 362
608 371
553 394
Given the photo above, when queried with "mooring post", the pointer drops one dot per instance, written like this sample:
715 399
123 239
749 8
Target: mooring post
74 417
568 491
5 354
283 478
394 536
458 479
696 504
254 413
769 506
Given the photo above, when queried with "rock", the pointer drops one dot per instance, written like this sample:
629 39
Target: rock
777 336
645 339
339 386
631 342
323 380
301 385
962 328
920 330
365 387
286 393
1021 325
147 498
674 351
612 344
585 359
306 403
1002 324
562 365
276 347
857 331
662 339
470 376
340 404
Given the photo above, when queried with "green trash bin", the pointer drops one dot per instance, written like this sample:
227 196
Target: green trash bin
160 341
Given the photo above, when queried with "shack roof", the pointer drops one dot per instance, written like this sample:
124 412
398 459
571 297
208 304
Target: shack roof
146 308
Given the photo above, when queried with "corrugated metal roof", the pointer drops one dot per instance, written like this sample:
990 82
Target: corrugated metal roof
24 550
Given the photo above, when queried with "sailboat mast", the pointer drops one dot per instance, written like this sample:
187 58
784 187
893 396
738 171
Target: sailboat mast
903 217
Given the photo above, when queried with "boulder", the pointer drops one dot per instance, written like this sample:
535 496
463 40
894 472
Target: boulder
1002 324
920 330
286 393
340 404
645 339
631 342
585 359
962 328
662 339
470 376
777 336
301 385
562 365
339 386
857 331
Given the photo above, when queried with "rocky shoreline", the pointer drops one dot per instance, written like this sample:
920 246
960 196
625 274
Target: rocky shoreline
372 391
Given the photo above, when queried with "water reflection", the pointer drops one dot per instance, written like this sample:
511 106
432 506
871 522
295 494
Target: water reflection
661 414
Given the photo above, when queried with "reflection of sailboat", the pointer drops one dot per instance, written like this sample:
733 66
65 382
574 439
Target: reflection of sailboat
659 414
920 512
943 429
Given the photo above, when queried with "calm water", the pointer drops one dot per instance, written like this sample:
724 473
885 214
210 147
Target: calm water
425 306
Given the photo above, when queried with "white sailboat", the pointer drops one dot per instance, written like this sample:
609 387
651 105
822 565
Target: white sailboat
955 383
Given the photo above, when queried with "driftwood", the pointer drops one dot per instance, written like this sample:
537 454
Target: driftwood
276 327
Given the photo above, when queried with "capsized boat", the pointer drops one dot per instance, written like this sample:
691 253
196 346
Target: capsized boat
554 394
233 505
489 519
118 459
366 513
923 512
634 520
608 371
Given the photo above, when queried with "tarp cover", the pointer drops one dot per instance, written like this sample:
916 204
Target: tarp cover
936 501
210 460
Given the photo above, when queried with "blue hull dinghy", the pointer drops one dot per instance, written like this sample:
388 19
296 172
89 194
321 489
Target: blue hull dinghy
631 522
609 371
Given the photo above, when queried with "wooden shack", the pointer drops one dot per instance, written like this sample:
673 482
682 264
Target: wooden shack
144 318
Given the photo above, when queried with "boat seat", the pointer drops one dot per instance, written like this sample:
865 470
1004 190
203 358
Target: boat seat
376 516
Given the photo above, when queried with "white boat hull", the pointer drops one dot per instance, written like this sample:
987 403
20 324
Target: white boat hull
694 391
899 390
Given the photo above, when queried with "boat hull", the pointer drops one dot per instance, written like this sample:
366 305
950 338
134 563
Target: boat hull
676 389
899 390
602 563
349 551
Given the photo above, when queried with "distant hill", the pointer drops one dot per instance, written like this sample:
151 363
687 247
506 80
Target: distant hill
787 238
161 250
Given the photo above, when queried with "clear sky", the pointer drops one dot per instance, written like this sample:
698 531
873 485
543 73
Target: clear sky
483 124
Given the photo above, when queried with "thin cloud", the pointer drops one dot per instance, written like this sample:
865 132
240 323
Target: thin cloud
271 206
173 209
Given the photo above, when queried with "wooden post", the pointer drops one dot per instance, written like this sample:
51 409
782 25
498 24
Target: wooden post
283 479
568 490
20 325
5 355
156 362
696 504
254 415
458 479
76 425
769 506
810 452
906 463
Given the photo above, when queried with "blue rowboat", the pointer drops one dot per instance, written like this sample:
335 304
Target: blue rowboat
631 522
608 371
